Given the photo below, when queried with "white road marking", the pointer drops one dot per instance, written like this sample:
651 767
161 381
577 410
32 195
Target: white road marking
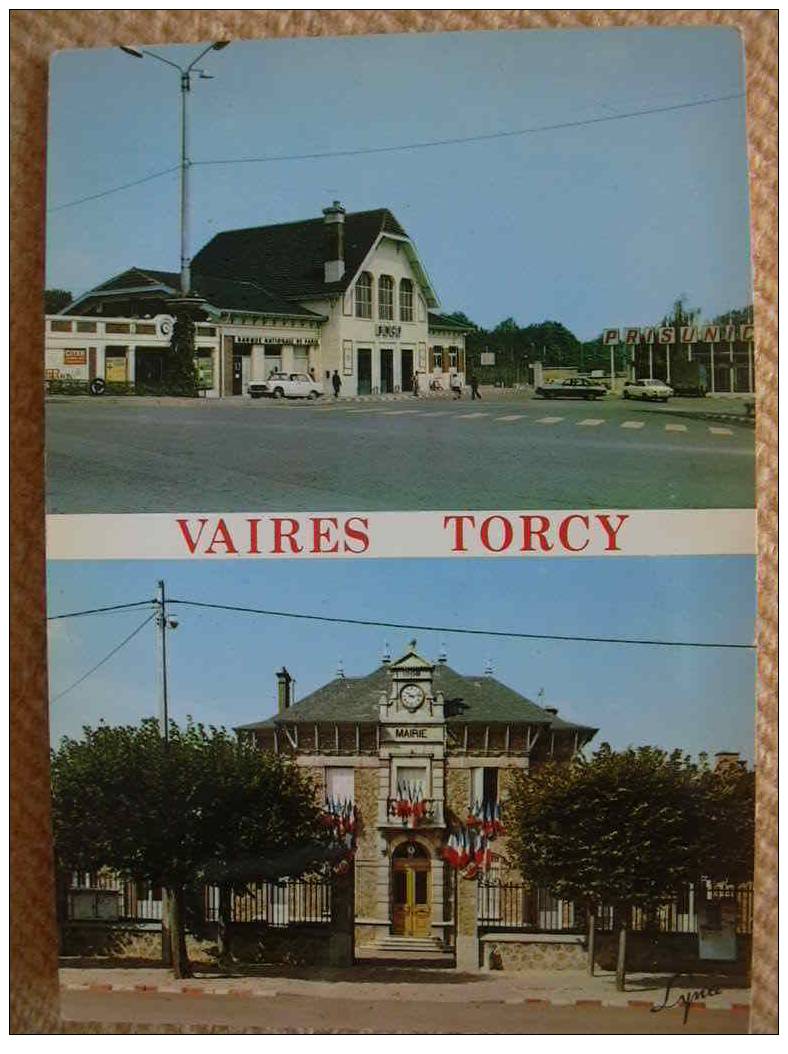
511 417
590 422
436 413
720 431
633 424
368 410
548 420
397 413
467 417
675 428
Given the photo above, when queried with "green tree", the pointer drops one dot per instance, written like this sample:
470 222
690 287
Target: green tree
180 375
462 318
164 812
55 300
627 828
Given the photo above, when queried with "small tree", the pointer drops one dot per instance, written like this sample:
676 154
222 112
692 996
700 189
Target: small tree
55 300
161 811
180 375
626 828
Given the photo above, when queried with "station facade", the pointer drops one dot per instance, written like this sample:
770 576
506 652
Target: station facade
421 758
346 292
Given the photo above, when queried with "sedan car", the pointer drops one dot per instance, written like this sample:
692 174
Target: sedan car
648 388
572 388
286 386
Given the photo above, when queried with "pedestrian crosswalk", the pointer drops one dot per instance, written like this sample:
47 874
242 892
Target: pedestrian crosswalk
527 419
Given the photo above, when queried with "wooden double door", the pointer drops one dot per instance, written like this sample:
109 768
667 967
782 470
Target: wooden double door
411 903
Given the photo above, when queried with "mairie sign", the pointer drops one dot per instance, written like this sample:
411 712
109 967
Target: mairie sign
675 334
413 733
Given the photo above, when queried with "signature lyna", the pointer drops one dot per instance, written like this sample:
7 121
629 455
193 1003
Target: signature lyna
686 999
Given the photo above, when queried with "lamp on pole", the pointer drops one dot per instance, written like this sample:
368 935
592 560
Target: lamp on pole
185 75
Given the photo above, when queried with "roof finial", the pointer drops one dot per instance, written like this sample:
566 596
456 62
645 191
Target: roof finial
340 670
412 645
386 653
488 668
442 657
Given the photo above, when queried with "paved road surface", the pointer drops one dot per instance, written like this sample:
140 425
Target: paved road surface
300 1013
210 456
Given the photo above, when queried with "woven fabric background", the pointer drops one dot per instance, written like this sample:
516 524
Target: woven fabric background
34 36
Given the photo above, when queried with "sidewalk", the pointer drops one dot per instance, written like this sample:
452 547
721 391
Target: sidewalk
405 983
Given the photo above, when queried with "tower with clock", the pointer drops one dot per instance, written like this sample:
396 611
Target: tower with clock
412 738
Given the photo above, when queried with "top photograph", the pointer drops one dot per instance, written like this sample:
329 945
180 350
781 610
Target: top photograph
430 271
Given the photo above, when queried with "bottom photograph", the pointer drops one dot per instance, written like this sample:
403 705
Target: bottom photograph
468 796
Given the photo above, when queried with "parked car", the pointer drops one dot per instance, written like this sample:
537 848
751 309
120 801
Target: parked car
286 386
648 388
572 388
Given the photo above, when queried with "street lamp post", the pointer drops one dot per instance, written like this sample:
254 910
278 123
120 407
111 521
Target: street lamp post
185 75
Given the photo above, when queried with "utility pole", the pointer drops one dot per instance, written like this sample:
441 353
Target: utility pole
185 162
161 624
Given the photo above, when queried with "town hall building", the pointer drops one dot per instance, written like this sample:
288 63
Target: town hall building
422 758
344 292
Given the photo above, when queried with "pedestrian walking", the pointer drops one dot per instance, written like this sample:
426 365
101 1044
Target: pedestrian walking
473 380
336 383
416 384
456 387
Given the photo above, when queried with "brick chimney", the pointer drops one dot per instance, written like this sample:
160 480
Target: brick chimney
284 689
334 219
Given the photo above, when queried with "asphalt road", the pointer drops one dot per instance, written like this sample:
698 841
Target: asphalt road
137 455
281 1012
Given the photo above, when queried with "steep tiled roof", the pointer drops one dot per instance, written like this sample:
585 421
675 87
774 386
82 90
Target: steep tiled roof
438 321
289 257
468 699
222 293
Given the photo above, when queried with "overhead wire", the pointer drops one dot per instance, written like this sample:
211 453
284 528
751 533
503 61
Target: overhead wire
99 611
506 634
106 659
419 145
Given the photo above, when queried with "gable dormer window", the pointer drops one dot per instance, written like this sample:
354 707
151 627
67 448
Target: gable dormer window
364 295
386 297
406 300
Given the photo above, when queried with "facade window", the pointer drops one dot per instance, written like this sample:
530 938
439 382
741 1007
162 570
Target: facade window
340 784
386 297
411 782
453 357
364 295
437 358
86 327
58 326
484 787
406 300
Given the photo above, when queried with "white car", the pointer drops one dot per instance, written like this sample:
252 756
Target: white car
648 388
286 386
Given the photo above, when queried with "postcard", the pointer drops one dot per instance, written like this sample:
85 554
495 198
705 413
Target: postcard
401 533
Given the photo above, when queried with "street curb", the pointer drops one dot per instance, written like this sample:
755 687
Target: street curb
535 1002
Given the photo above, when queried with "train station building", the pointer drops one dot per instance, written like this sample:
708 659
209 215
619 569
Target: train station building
344 292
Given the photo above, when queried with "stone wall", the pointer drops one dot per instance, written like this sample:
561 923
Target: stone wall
525 954
368 858
295 945
124 941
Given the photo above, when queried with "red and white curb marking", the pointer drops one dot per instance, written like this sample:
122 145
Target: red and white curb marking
260 993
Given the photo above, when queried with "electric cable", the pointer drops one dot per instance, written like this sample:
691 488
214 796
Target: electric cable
106 658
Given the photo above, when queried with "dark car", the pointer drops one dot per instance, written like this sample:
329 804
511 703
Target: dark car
572 388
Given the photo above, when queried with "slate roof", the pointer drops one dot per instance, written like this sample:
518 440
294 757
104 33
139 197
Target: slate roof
289 257
439 321
468 699
222 293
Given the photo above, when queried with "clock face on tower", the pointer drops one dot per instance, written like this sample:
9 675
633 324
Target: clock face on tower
412 696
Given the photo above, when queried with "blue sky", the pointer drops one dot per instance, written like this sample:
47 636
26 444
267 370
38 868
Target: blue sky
598 225
222 665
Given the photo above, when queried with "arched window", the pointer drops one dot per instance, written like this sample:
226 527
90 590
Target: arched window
386 297
406 300
364 295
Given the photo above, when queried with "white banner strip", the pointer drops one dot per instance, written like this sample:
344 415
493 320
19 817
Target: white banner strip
335 535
